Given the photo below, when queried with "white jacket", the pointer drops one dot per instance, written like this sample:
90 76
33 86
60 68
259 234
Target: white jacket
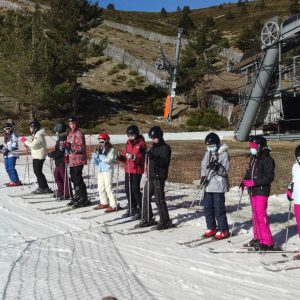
296 181
38 145
217 181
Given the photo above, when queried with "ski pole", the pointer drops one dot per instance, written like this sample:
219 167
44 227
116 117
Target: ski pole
148 190
90 150
201 188
52 172
117 186
129 188
287 226
26 171
235 215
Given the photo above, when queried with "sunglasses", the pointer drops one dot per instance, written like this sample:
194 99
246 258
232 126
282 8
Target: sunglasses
101 142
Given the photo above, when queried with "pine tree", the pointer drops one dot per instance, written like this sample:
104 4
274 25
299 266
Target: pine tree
294 7
110 6
43 53
196 60
260 4
163 12
186 21
249 37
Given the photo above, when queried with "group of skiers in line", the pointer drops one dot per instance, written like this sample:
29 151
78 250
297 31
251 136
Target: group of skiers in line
70 155
70 151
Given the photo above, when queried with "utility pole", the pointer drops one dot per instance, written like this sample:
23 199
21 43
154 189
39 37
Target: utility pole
176 58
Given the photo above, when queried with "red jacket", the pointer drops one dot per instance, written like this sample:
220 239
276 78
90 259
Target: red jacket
136 148
77 154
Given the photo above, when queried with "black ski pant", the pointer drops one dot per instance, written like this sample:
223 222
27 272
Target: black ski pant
133 191
38 171
79 185
155 187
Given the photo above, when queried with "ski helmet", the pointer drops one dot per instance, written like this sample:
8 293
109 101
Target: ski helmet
259 140
72 119
155 132
103 136
297 151
132 129
35 125
60 127
7 125
212 139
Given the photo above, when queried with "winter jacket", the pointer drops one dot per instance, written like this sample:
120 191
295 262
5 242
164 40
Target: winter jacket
296 183
216 181
261 171
104 159
137 148
59 151
77 152
9 149
38 145
159 160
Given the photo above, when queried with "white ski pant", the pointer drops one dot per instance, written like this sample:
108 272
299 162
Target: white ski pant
105 190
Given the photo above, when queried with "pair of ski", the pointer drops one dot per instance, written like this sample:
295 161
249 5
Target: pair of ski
140 230
282 265
250 250
64 209
197 242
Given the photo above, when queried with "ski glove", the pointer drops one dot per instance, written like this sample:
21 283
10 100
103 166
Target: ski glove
242 186
214 165
289 192
289 195
5 152
67 147
66 159
249 183
23 139
130 156
1 147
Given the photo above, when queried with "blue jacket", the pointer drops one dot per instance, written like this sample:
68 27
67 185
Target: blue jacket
104 159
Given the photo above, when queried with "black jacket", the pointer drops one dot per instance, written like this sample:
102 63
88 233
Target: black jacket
58 153
261 171
159 160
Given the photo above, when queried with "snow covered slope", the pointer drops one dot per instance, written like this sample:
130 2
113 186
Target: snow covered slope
47 252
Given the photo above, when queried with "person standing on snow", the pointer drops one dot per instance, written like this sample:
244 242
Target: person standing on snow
10 155
158 157
64 190
134 158
214 177
293 192
103 158
38 147
257 180
76 157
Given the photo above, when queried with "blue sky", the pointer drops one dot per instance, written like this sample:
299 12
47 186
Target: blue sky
156 5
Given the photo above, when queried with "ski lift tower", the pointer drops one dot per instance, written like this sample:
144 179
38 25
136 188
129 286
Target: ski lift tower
174 71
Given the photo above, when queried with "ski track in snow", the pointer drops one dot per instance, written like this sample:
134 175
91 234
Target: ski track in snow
69 256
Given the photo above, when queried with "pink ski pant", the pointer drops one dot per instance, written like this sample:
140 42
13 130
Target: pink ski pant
261 227
297 215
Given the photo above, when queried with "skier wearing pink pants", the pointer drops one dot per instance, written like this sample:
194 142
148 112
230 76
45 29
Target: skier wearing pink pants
257 180
293 192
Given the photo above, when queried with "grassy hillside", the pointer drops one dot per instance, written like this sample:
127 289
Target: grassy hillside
168 25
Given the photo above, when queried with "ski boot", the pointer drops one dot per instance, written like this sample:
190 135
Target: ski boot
252 243
222 235
210 233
